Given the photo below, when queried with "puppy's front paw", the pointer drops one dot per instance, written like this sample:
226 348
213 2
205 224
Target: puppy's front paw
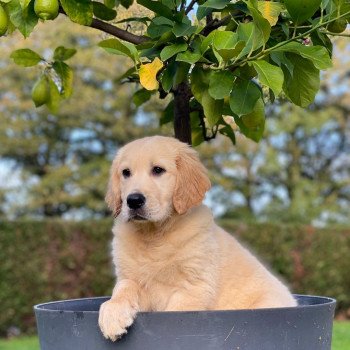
114 318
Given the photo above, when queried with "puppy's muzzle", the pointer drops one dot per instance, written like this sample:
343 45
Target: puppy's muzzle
136 201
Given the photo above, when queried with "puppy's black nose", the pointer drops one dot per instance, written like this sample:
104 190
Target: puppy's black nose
135 200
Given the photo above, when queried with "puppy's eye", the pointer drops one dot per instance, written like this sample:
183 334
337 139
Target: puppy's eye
126 173
157 170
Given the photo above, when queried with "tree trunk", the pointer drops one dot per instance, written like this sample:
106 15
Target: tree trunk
182 124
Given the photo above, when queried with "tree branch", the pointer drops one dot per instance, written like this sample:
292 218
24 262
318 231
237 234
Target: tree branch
214 24
115 31
182 123
190 6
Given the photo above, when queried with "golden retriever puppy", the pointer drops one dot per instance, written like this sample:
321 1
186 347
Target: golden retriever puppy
169 254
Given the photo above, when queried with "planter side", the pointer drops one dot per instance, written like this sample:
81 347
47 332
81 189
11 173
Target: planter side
72 324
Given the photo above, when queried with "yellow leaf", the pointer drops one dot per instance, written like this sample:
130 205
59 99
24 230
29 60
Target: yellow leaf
270 10
148 74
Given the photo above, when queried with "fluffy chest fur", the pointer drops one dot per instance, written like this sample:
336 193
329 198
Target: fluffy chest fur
164 263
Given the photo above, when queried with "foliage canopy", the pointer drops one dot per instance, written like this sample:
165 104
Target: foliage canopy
217 57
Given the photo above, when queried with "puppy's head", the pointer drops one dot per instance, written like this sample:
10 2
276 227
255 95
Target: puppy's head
153 177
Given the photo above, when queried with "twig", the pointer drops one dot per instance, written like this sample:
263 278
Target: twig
347 35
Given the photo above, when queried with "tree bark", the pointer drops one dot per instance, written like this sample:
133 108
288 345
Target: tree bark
115 31
182 124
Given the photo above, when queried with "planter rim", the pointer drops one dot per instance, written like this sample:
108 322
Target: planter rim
322 300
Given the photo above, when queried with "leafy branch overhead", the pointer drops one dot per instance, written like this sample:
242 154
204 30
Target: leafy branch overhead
233 56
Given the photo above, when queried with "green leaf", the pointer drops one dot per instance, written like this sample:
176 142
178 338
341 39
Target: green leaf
196 135
171 50
228 132
246 72
252 125
23 19
161 20
301 10
133 51
220 84
261 25
248 33
281 59
168 3
116 47
130 72
228 54
174 74
245 31
317 54
184 28
321 39
79 11
216 4
254 33
168 114
65 74
141 96
189 57
202 12
226 43
62 54
196 125
182 69
155 30
243 97
157 7
110 3
301 88
207 42
103 12
26 57
269 75
224 40
168 74
55 97
199 82
212 108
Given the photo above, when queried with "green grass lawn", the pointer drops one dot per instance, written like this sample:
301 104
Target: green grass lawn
341 336
25 343
341 340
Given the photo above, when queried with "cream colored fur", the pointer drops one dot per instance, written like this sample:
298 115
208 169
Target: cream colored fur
177 259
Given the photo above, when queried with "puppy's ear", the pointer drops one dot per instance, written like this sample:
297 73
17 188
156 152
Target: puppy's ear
192 181
113 196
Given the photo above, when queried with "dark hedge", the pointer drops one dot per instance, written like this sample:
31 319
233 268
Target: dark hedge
51 260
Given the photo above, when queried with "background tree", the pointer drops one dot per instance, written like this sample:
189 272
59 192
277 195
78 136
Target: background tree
301 169
210 65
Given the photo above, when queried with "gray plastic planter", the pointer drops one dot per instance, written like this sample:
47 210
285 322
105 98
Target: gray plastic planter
72 325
